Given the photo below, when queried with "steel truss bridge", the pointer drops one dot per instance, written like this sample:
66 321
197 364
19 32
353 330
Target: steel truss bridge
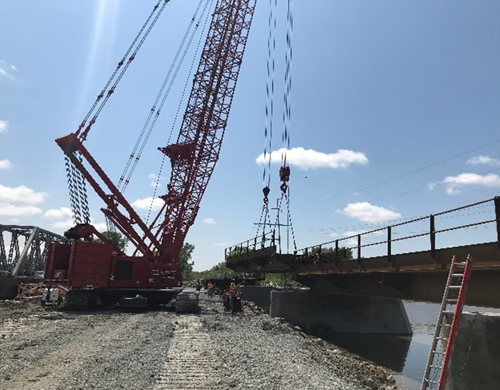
419 275
28 246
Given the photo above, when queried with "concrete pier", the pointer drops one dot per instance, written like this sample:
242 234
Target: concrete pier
326 312
475 362
259 295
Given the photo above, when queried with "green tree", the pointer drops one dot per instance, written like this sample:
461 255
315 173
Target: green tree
219 270
344 252
117 239
184 260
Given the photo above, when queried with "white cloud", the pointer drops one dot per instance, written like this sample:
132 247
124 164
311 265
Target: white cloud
483 160
100 226
5 164
68 223
453 191
4 125
454 183
155 180
222 244
62 225
351 241
209 221
366 212
63 212
311 159
21 194
7 70
9 210
145 204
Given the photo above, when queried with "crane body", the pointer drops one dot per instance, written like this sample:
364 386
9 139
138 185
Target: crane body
89 273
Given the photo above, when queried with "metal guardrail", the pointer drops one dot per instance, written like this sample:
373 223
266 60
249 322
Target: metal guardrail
311 250
247 247
339 251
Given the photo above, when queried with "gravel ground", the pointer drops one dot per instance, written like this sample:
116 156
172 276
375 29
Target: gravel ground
49 349
260 352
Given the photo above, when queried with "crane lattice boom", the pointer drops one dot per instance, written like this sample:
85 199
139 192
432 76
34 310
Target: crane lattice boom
196 152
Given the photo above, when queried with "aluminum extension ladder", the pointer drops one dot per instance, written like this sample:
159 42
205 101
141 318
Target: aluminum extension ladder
437 369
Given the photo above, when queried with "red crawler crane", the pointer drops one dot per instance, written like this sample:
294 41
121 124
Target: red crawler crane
89 273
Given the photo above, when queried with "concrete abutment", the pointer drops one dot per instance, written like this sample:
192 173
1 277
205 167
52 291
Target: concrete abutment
475 362
341 313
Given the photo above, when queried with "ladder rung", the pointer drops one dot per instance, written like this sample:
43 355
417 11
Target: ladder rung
429 381
451 300
448 312
457 275
436 366
454 287
461 264
441 338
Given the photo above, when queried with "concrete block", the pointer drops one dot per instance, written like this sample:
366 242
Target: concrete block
475 363
326 312
259 295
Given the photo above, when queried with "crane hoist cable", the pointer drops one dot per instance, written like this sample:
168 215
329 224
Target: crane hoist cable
269 111
120 64
162 95
76 181
124 65
287 115
179 106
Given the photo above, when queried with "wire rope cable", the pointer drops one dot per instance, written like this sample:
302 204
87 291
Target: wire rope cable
76 180
181 103
269 117
161 97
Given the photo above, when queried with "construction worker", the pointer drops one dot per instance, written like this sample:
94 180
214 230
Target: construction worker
232 288
316 258
210 288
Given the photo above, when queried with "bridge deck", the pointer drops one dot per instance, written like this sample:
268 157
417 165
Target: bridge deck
416 276
268 261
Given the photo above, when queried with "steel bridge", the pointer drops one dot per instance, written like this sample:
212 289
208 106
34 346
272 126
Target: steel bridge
28 247
418 275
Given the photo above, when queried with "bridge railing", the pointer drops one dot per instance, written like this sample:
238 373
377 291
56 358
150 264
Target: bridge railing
247 248
340 249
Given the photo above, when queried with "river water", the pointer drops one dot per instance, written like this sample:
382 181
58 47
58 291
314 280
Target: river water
405 356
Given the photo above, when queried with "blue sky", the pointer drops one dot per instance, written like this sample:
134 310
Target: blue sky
380 89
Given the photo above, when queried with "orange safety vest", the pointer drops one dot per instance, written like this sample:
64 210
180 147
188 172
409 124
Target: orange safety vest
232 288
